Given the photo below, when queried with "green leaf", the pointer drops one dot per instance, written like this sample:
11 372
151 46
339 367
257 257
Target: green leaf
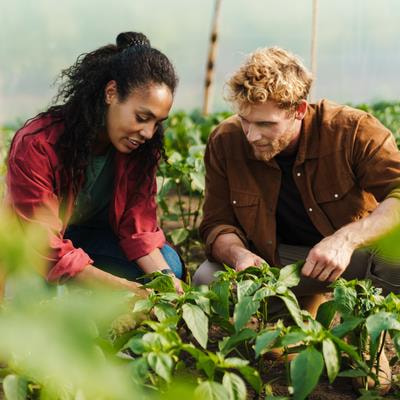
221 305
139 369
293 307
235 386
380 322
234 362
179 235
345 299
305 371
352 373
161 364
252 376
331 358
170 296
197 322
293 338
290 274
137 345
164 311
144 305
265 341
326 313
237 338
346 326
203 361
211 391
347 348
203 302
252 272
198 181
262 293
174 157
161 283
243 311
15 387
246 288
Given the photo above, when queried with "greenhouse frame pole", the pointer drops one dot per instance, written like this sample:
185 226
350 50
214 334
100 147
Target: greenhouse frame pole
314 46
212 53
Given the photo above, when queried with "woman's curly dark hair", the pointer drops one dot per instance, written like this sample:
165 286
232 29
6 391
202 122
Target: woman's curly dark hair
132 63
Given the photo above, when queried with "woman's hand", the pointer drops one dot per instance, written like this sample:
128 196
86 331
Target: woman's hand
178 285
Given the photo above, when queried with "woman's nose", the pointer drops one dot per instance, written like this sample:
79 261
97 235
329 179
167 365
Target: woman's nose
147 132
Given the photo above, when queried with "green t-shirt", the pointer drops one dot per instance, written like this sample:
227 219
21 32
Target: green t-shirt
95 195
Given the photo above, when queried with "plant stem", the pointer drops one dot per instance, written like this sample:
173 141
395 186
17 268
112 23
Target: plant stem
181 209
378 356
197 212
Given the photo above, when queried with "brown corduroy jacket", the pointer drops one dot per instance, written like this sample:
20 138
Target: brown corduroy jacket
347 162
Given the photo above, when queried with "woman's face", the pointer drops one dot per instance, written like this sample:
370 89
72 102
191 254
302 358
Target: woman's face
135 119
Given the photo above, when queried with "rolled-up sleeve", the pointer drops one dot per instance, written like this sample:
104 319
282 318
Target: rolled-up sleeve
139 233
376 159
218 214
30 194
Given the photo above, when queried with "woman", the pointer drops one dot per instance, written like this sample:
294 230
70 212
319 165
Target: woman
85 169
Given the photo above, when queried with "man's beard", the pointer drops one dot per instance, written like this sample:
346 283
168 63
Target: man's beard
273 148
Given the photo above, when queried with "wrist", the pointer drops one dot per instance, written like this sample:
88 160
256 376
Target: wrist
237 253
167 271
347 239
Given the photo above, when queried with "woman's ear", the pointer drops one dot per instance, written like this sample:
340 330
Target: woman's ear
110 92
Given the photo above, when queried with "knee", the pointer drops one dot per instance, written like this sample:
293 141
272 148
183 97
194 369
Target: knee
385 275
173 260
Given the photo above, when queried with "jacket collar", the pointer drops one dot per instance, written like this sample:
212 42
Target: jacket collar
309 136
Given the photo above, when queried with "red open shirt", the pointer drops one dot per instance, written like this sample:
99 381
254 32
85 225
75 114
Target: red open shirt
34 193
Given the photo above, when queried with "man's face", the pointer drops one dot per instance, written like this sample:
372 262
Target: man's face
270 130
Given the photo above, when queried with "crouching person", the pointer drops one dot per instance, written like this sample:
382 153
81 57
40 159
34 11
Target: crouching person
288 180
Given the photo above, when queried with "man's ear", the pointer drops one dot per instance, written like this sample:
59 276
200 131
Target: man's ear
110 92
301 109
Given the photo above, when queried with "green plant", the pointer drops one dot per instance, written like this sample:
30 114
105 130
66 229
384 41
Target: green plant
388 113
6 134
366 319
180 198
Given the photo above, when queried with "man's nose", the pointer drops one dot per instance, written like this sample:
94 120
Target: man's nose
253 134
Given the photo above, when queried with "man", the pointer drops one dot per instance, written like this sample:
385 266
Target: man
287 180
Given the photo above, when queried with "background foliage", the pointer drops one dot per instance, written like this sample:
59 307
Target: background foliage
69 343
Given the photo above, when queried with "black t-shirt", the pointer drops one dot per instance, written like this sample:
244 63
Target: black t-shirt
293 224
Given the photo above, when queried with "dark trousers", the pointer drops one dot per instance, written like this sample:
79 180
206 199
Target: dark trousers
101 244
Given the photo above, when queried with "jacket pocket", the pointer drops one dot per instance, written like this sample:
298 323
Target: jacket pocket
245 207
333 191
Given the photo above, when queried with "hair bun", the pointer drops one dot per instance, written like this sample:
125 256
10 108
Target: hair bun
132 39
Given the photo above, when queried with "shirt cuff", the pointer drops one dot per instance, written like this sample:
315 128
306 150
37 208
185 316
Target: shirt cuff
69 265
220 230
141 244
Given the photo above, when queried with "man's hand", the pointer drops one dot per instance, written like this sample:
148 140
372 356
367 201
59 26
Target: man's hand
328 259
230 250
245 259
